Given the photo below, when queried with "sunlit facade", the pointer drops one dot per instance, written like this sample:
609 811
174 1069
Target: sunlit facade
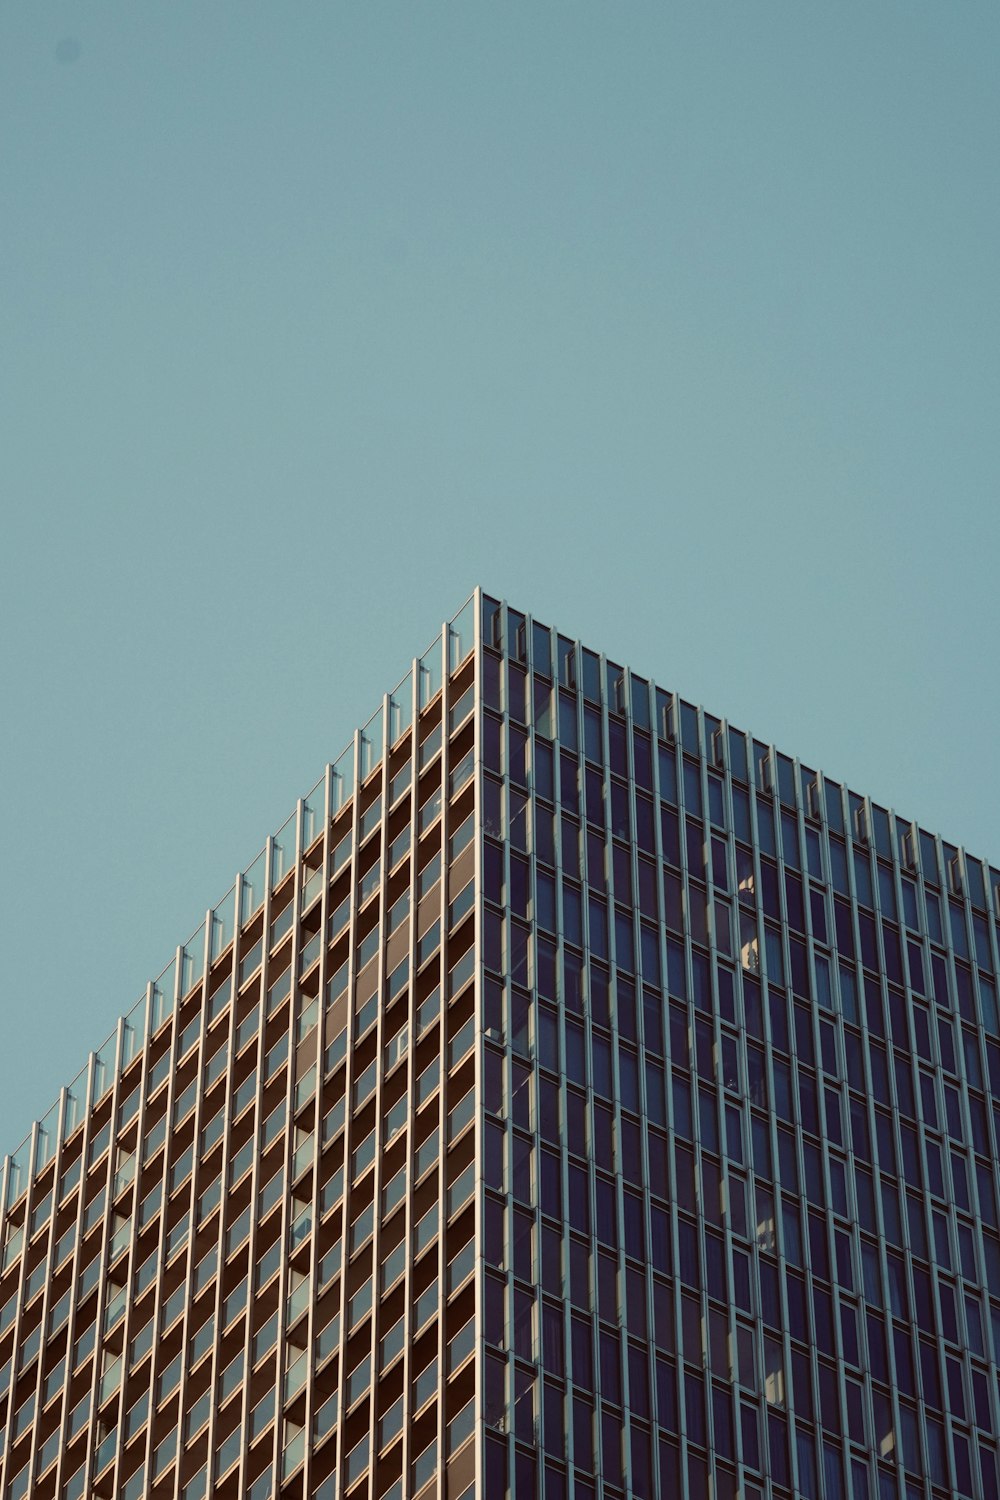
575 1098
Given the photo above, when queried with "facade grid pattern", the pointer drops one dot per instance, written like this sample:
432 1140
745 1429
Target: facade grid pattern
740 1078
576 1098
239 1254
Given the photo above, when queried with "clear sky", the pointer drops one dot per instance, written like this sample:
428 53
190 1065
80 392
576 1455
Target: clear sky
676 323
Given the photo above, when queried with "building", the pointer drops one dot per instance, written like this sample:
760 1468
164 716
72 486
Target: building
575 1098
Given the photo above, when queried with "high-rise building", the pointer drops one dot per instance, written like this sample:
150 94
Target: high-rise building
575 1098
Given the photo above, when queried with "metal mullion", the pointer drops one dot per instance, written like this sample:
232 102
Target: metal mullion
904 929
992 920
616 1102
479 1123
46 1292
411 1068
812 943
862 1024
506 981
19 1296
293 1024
196 1174
46 1288
442 963
507 986
925 896
227 1131
783 1332
758 894
634 863
380 1056
324 964
656 741
962 893
74 1284
731 850
944 897
563 1083
747 1181
588 1019
715 1024
284 1271
18 1313
588 1024
926 1132
443 1042
891 1043
641 1034
31 1137
782 865
133 1237
979 1027
994 939
686 891
692 1067
838 1293
162 1236
506 784
533 888
248 1331
197 1169
682 1436
783 917
19 1308
880 1235
942 890
348 1111
755 795
910 1002
255 1166
195 1164
74 1291
784 1336
768 1049
799 1142
103 1254
280 1344
914 1337
715 1018
940 1352
840 1372
158 1252
852 898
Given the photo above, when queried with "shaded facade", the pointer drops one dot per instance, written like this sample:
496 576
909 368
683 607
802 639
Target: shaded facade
576 1098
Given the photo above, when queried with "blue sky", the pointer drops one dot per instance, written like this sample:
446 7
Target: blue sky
677 324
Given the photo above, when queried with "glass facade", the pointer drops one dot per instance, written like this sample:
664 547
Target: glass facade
575 1098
